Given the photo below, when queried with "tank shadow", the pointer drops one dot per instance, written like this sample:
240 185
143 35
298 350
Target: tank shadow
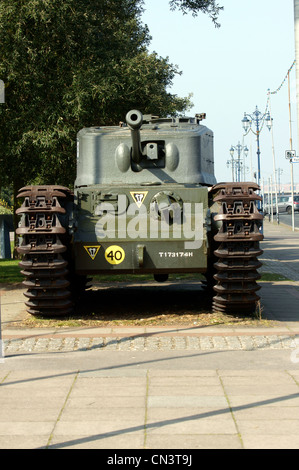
125 300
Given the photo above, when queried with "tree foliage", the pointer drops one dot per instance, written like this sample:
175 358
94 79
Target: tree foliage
210 7
67 65
73 64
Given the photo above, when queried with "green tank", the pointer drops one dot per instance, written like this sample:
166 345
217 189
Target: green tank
145 200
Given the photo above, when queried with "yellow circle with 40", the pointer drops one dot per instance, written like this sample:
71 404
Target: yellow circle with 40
114 254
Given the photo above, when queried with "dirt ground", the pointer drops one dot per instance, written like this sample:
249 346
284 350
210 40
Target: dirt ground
183 303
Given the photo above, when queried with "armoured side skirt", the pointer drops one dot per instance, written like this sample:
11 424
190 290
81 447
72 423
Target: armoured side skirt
238 247
42 248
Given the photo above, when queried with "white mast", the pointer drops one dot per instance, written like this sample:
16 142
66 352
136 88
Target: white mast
296 21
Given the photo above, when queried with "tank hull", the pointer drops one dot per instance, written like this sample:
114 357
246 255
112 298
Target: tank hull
145 202
142 229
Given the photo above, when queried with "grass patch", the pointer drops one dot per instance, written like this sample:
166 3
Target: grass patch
10 271
144 277
273 277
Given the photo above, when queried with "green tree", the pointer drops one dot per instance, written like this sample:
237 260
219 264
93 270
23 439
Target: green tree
72 64
210 7
67 65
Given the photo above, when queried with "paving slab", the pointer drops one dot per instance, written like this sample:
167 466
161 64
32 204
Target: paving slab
157 388
266 441
195 441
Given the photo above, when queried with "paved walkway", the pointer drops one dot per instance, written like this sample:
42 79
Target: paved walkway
281 250
158 388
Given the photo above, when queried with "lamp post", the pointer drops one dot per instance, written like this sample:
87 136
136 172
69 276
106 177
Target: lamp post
232 163
258 119
279 172
239 149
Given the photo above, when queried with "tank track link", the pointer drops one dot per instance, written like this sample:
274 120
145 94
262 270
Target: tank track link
238 248
43 249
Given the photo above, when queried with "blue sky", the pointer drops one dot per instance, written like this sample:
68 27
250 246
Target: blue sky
229 71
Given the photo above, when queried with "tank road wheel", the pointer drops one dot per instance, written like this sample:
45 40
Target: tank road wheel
43 248
238 248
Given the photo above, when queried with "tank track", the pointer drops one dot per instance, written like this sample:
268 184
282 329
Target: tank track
44 249
238 248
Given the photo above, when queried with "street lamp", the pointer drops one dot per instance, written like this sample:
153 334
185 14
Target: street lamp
279 172
239 149
232 163
259 119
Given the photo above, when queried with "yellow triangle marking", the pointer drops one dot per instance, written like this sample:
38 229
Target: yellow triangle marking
92 250
139 197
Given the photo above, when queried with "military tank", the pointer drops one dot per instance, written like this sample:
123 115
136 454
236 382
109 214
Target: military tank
145 200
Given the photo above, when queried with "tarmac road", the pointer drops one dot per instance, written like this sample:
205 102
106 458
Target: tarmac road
286 219
158 388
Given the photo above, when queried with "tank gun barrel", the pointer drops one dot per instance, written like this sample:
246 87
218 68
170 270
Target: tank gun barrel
134 120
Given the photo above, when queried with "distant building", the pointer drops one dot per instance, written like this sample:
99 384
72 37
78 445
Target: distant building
285 188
